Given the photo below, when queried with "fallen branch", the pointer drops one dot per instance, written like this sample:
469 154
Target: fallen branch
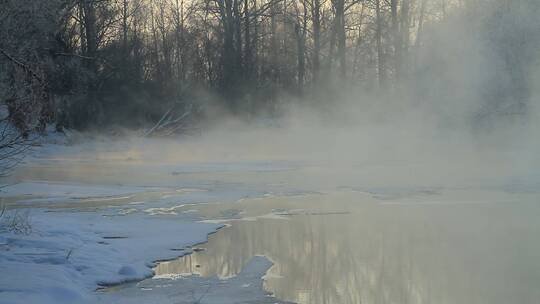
169 124
159 122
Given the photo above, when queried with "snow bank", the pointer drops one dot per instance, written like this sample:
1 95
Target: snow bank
68 255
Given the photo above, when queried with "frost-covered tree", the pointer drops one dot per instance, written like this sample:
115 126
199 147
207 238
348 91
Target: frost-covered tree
29 42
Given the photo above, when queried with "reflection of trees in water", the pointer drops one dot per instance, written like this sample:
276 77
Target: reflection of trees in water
339 259
375 255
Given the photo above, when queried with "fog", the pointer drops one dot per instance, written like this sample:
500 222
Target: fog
468 112
373 151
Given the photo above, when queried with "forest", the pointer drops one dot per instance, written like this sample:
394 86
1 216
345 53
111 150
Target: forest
85 64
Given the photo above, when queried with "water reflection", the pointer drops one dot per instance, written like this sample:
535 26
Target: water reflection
373 253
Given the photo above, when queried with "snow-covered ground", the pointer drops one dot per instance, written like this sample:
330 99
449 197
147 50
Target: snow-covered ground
67 255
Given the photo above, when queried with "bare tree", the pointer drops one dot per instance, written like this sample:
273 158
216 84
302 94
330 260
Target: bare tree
381 60
300 30
316 32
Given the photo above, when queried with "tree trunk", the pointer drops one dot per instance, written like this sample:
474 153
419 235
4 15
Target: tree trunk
404 38
125 28
91 109
248 64
339 6
273 41
255 42
396 39
358 43
419 32
316 24
165 46
125 51
179 37
300 51
300 31
154 58
381 65
228 77
90 32
238 35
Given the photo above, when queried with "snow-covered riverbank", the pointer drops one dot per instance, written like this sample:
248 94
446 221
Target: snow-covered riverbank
68 254
82 234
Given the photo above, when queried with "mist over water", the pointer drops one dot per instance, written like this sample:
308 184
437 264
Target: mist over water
467 110
422 186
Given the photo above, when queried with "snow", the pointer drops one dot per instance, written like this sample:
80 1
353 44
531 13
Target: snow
112 228
72 250
69 254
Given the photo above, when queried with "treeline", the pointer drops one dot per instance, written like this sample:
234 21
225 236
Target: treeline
84 63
